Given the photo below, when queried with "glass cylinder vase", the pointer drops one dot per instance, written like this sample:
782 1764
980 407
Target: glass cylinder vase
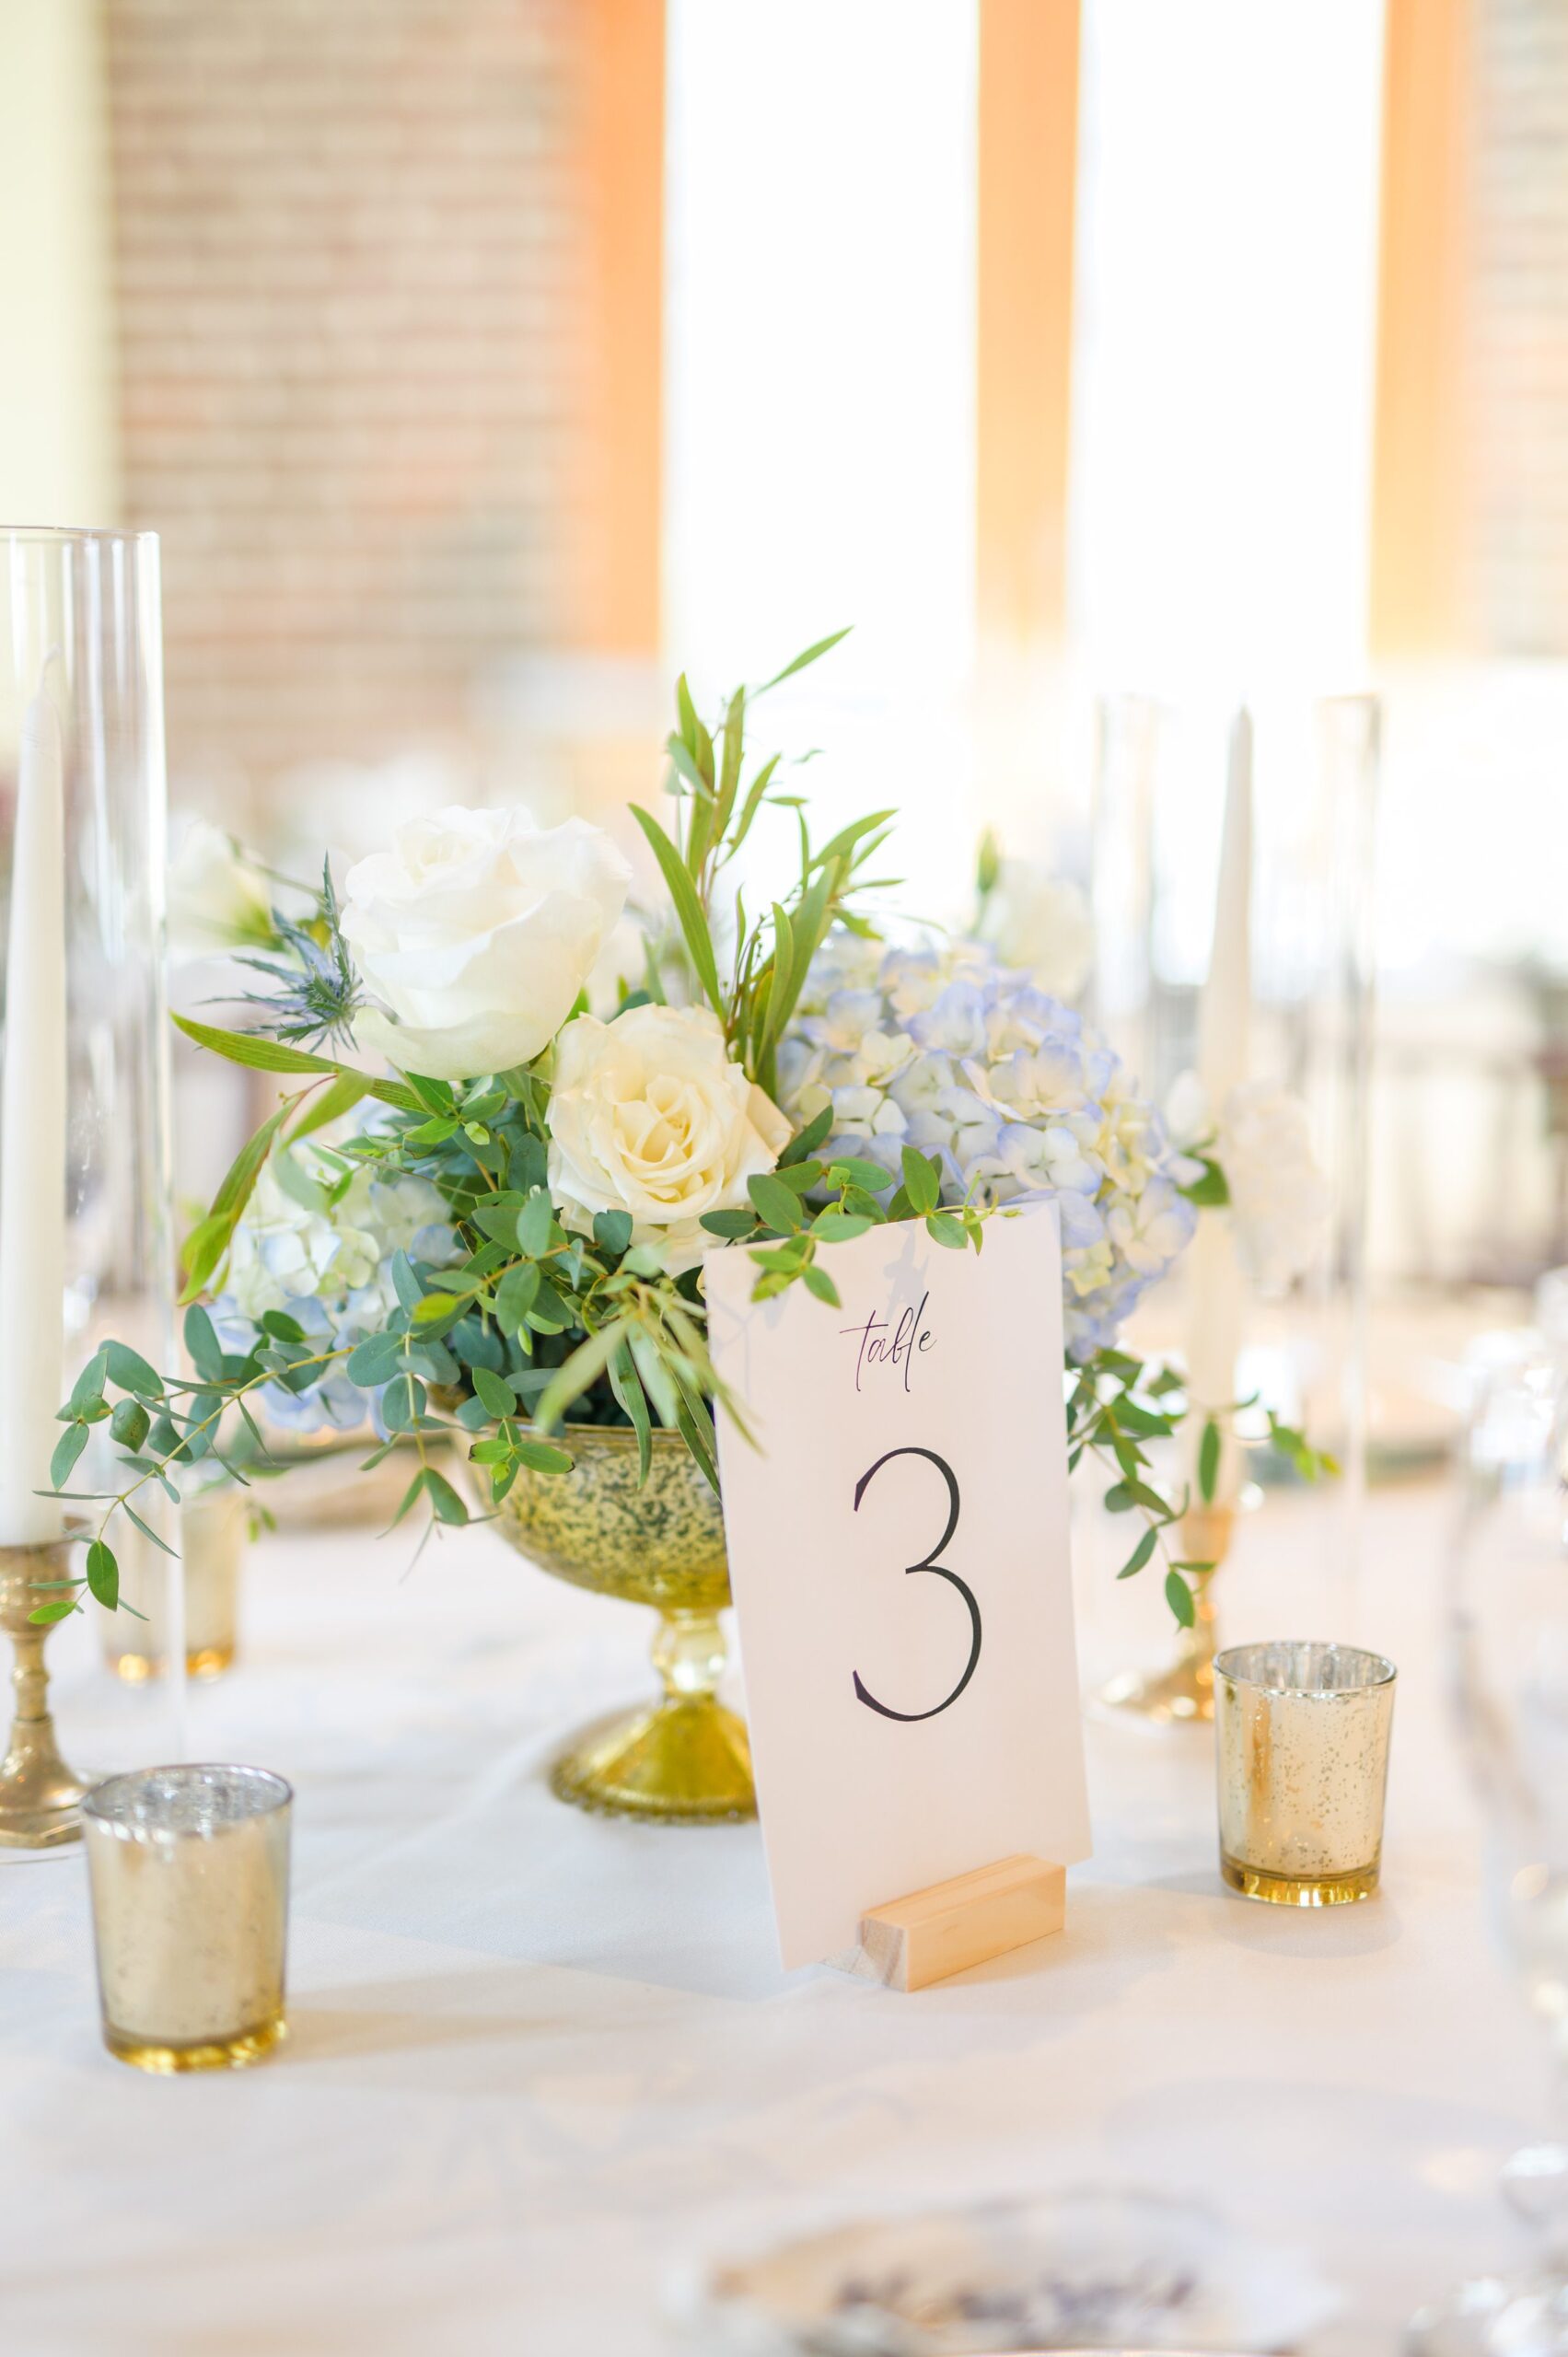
212 1538
1161 806
86 1229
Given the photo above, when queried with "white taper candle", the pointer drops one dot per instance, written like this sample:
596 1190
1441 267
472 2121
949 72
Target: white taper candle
1217 1288
32 1138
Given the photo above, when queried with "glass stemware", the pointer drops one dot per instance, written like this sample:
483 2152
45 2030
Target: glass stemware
1507 1632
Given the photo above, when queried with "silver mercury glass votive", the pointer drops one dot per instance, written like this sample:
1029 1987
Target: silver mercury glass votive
189 1870
1302 1743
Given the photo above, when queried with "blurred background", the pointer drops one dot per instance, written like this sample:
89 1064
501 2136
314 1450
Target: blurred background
1105 362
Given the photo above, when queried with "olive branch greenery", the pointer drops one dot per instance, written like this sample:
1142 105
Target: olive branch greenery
530 1322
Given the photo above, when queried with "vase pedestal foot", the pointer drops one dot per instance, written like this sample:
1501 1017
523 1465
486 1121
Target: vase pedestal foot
678 1764
1183 1693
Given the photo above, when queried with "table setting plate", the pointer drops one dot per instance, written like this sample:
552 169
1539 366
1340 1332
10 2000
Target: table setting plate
1088 2269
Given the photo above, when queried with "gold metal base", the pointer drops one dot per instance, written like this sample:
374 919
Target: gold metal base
679 1763
1181 1694
1184 1693
203 1661
40 1798
213 2054
1298 1890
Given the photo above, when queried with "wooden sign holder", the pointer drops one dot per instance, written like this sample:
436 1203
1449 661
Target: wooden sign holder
909 1942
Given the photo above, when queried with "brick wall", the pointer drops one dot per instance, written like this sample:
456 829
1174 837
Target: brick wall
1518 329
350 260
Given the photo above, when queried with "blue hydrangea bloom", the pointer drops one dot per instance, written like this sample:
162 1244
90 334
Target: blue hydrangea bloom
947 1049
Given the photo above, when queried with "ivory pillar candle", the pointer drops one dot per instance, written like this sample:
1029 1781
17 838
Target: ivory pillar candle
32 1138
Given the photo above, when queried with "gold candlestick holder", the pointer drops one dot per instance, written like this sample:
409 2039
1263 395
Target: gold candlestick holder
40 1798
1186 1690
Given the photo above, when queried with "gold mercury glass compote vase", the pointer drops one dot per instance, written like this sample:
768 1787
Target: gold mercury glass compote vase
685 1760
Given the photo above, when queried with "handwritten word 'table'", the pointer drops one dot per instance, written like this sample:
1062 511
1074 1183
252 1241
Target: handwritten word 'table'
897 1349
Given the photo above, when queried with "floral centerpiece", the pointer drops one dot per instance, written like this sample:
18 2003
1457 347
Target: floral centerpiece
508 1251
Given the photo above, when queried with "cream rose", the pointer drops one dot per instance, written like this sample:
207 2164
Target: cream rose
649 1115
478 929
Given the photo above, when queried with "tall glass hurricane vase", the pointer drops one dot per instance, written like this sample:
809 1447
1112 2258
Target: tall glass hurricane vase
86 1241
1508 1650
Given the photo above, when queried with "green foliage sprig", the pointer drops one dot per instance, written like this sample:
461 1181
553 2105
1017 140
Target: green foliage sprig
772 954
783 1228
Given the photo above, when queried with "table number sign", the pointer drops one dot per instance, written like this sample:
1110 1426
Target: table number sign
898 1551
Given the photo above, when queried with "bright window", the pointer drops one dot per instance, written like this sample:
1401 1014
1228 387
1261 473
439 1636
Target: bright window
820 398
1225 338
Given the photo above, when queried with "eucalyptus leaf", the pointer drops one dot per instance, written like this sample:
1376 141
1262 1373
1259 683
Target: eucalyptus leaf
403 1402
1178 1596
1140 1555
538 1456
1209 1461
534 1224
477 1344
495 1394
374 1361
729 1224
807 1141
775 1201
103 1574
145 1527
516 1296
612 1232
444 1501
202 1345
131 1372
854 1170
128 1426
67 1448
920 1182
840 1227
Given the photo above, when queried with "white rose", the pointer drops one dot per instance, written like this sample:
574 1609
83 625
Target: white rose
1263 1142
218 897
1035 920
478 929
1279 1197
649 1115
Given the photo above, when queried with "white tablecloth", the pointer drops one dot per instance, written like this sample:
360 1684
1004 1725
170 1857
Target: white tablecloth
537 2058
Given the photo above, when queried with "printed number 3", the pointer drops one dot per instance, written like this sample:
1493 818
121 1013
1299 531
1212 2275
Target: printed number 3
927 1563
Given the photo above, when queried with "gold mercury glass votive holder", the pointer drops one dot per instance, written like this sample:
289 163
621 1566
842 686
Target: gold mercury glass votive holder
1302 1740
189 1870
